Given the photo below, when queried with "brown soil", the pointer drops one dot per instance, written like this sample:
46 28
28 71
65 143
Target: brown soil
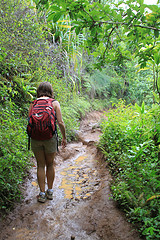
82 207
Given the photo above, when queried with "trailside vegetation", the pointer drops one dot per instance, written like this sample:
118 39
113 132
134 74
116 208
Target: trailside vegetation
115 31
14 157
130 142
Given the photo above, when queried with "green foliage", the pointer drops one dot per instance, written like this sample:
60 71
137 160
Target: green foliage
105 85
103 21
140 89
72 112
99 104
14 159
149 58
18 91
116 81
111 31
130 143
20 38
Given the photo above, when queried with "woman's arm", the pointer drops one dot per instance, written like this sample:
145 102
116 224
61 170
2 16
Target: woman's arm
30 107
61 125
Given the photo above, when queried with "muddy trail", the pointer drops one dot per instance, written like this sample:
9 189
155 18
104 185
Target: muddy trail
82 208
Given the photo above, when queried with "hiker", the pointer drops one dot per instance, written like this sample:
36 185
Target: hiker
45 150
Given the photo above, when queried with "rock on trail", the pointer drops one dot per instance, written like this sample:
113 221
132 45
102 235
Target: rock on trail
82 208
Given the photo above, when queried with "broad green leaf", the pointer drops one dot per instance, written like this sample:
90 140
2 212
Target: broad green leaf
129 12
65 26
158 83
154 8
157 58
142 9
143 69
57 16
156 97
138 107
93 31
31 7
50 17
77 30
140 1
142 108
55 8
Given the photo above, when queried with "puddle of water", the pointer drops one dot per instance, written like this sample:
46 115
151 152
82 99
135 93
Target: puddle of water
80 159
35 184
68 188
64 173
70 168
79 182
77 179
85 176
78 189
71 182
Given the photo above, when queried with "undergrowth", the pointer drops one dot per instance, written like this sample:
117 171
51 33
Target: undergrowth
72 112
14 159
131 145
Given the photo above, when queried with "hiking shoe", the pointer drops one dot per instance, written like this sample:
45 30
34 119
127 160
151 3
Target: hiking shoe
41 197
49 194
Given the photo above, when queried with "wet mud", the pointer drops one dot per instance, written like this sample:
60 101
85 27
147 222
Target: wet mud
82 207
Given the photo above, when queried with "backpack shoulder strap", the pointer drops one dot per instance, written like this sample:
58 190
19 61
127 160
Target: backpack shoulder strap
31 106
34 102
51 99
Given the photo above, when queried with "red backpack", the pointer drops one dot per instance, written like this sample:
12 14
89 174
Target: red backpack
42 120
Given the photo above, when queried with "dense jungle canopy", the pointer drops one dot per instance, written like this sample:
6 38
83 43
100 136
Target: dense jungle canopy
98 55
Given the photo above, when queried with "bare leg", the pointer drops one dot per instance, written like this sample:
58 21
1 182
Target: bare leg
50 172
40 157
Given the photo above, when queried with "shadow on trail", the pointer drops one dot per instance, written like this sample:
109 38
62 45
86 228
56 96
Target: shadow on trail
81 208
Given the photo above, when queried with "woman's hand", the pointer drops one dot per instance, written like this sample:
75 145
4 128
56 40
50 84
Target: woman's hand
64 142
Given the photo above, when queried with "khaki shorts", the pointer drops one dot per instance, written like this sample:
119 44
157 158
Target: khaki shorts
49 146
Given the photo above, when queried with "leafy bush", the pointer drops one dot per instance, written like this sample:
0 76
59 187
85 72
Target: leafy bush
72 112
130 143
140 89
20 39
99 104
105 84
14 159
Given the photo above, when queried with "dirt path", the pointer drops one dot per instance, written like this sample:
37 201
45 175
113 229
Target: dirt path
82 208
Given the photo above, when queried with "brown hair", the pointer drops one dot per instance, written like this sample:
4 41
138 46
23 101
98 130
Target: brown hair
45 89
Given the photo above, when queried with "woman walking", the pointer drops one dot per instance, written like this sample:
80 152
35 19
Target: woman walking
45 150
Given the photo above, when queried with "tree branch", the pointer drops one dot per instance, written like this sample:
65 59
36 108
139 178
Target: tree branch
131 25
89 15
